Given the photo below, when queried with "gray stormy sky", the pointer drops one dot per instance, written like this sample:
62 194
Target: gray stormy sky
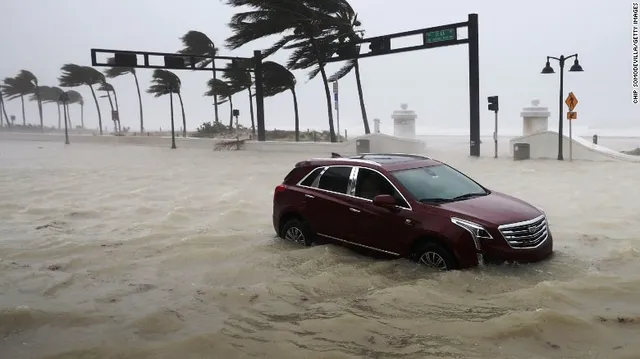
515 38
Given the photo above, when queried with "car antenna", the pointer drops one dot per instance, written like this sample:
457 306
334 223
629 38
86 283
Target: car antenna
335 155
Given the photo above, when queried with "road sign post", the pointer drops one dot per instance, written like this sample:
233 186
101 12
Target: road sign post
494 106
571 101
571 116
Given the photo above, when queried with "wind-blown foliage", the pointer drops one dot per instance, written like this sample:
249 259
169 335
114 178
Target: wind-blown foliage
165 82
107 88
309 27
18 87
114 72
240 79
76 97
224 91
277 79
74 76
198 43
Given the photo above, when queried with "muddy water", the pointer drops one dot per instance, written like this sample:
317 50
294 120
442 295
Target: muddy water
134 252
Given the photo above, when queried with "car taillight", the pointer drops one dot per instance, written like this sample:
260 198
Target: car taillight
280 188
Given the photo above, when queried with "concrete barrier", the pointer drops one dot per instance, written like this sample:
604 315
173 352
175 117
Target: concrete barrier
544 145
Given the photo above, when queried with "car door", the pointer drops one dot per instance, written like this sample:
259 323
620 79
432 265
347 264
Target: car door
326 204
386 230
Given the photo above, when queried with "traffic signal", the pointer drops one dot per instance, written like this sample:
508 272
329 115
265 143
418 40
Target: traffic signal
493 103
380 45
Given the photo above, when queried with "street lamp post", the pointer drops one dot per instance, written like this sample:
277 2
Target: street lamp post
549 70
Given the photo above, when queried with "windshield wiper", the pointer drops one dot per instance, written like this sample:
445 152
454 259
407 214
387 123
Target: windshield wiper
469 195
436 200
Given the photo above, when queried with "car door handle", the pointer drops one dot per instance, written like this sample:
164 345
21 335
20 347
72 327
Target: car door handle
354 210
309 196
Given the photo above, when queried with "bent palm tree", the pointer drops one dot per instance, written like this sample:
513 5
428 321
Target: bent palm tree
3 111
164 82
29 78
76 97
277 79
239 79
224 91
107 88
17 87
114 72
314 27
75 75
197 43
47 94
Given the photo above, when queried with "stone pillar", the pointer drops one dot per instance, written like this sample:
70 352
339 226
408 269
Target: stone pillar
404 122
376 125
535 118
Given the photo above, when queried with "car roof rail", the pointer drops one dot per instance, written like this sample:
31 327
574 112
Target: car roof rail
397 154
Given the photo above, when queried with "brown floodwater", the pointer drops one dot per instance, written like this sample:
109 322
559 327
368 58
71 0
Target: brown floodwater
138 252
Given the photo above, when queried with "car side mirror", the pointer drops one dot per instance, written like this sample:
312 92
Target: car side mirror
384 200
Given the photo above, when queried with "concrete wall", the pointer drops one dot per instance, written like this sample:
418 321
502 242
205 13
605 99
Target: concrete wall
544 145
378 143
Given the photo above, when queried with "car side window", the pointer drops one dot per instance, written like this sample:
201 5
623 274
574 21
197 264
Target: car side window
370 184
309 181
335 179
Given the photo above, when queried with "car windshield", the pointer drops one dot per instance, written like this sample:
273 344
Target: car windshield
438 184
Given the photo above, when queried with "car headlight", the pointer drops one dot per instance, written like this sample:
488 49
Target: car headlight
477 231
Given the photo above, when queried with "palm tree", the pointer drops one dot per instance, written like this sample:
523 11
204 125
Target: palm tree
47 94
75 75
107 88
19 86
114 72
348 24
314 24
197 43
32 80
240 79
165 82
277 79
224 92
76 97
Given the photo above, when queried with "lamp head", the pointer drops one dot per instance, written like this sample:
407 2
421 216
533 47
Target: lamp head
576 67
547 68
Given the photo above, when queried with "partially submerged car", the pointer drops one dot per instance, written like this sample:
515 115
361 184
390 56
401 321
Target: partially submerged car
407 206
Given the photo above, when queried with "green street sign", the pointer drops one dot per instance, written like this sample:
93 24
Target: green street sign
440 35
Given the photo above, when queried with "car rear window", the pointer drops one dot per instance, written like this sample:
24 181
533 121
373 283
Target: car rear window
311 177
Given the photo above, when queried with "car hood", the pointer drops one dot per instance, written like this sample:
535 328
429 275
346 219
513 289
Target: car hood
496 208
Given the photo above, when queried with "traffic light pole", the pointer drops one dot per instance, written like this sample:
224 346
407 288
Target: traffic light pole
175 61
437 36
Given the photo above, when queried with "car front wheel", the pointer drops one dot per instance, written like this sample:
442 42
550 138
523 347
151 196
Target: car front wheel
296 230
434 256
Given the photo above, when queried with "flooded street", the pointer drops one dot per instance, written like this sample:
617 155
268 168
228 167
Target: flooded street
140 252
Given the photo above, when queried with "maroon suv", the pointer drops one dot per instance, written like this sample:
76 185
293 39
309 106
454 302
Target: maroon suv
407 206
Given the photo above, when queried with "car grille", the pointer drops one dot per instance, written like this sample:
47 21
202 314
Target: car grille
526 234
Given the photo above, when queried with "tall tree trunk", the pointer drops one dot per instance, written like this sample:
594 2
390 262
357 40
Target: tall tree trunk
115 125
215 98
95 99
68 116
295 111
253 124
4 111
314 44
363 109
59 117
184 118
139 103
115 97
82 115
37 93
24 116
230 113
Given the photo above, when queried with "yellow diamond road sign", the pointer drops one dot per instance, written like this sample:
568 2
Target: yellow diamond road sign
571 101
